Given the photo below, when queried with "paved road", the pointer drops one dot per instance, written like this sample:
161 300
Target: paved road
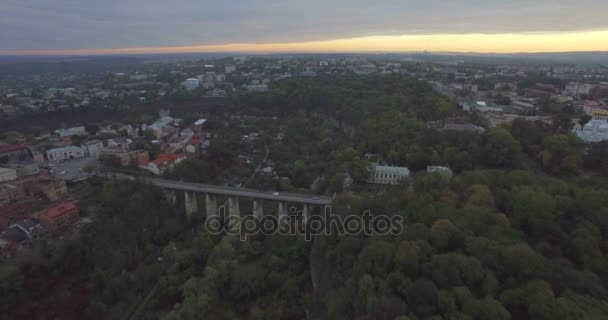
233 191
241 192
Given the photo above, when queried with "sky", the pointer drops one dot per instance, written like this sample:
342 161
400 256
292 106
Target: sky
142 26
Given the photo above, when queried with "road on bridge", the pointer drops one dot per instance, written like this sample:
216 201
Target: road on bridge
231 191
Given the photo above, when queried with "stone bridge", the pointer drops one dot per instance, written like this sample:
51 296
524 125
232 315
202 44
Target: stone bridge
190 190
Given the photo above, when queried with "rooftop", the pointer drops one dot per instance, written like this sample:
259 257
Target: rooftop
11 148
59 209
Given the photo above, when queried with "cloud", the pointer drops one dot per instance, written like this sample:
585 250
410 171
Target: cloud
91 24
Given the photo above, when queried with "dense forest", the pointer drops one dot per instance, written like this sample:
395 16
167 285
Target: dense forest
519 232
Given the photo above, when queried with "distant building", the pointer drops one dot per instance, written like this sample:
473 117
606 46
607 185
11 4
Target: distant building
93 148
230 68
388 174
71 132
159 128
124 157
596 129
23 230
13 151
256 87
163 163
65 153
38 157
444 170
7 174
60 216
576 89
308 73
119 143
191 84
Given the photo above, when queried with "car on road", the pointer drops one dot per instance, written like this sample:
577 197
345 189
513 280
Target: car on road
275 193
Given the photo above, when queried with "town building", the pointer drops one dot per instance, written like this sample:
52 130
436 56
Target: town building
440 169
163 163
71 132
576 89
119 143
65 153
596 129
124 157
60 216
230 68
92 148
159 129
388 174
10 152
191 84
27 229
7 174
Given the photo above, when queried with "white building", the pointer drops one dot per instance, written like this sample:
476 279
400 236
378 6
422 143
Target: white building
65 153
93 148
576 89
71 132
191 84
388 174
596 129
256 87
230 68
157 127
7 174
443 170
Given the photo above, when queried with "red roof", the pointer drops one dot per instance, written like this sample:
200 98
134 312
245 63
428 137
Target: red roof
58 210
142 162
166 158
11 148
196 141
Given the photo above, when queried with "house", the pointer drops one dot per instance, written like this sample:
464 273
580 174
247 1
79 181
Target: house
7 174
159 128
576 89
439 169
194 145
119 143
71 132
163 163
60 216
23 230
388 174
38 157
129 131
122 157
65 153
10 151
92 148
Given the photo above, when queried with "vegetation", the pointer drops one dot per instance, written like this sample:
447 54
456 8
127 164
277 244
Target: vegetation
519 232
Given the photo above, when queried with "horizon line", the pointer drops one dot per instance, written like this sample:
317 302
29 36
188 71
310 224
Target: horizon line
473 43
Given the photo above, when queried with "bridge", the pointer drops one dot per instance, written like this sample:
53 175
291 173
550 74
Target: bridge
211 192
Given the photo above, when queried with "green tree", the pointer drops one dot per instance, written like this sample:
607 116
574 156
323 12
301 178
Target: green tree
500 149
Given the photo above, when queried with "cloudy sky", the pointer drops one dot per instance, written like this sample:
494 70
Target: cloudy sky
96 24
